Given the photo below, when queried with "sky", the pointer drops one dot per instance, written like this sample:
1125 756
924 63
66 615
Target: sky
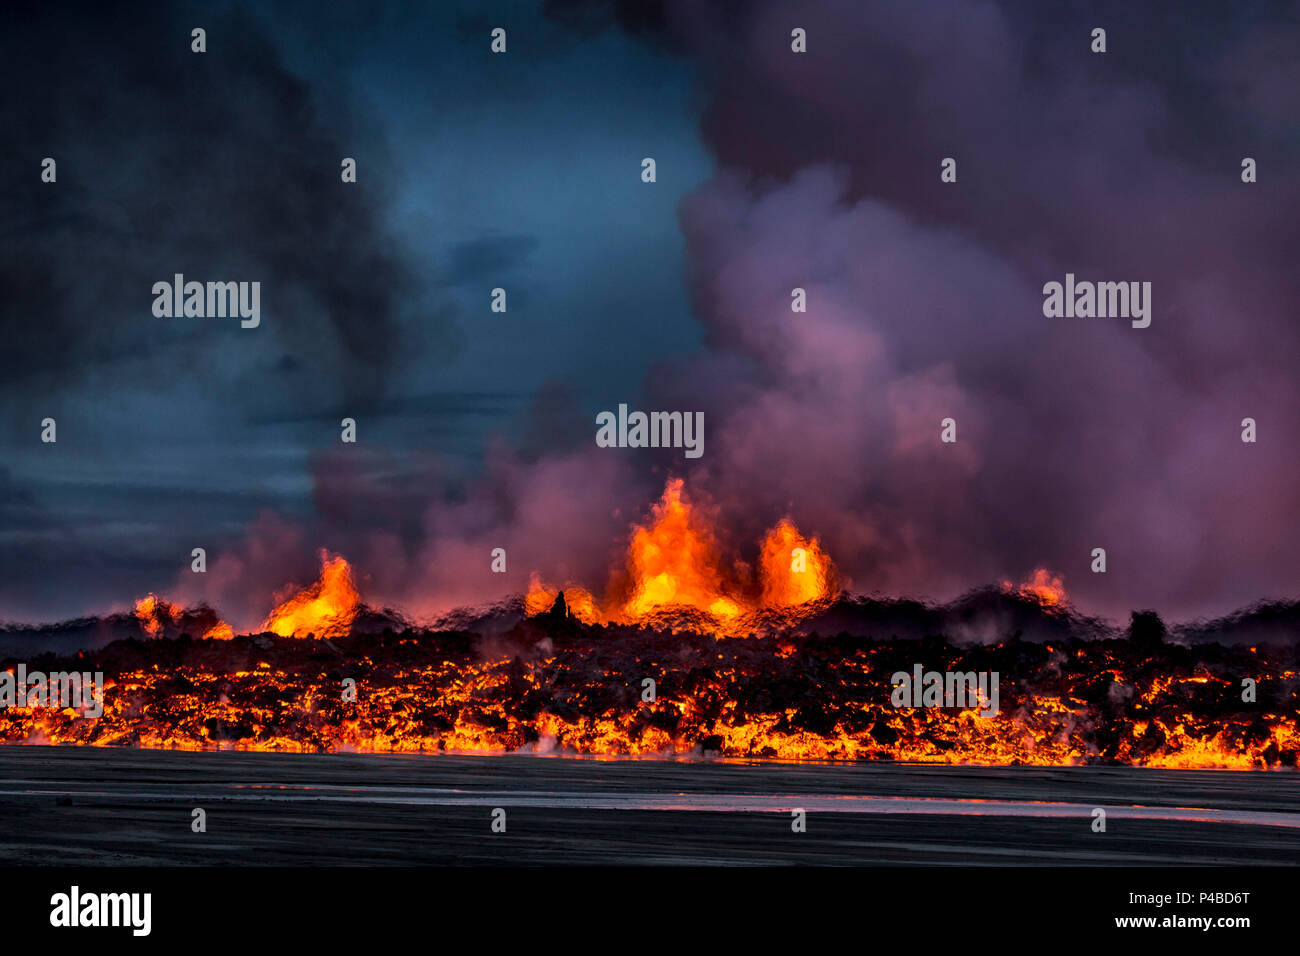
522 170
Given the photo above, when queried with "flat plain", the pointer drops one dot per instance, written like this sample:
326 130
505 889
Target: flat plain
117 806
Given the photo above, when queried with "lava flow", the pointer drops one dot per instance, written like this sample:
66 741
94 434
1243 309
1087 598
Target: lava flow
692 651
552 684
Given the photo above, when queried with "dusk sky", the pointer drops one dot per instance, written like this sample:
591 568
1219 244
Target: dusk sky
522 170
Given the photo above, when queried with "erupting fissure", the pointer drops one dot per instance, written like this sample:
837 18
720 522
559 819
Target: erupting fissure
675 575
675 566
787 693
1041 586
325 609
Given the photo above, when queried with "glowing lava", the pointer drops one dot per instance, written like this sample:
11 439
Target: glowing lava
673 562
794 570
326 609
153 613
1041 586
789 697
221 631
675 566
780 695
158 617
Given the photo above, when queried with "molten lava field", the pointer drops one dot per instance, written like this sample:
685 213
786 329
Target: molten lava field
550 683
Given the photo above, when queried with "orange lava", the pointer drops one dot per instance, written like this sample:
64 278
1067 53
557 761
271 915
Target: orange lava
451 704
160 618
794 570
675 566
325 609
673 562
153 613
1042 586
219 632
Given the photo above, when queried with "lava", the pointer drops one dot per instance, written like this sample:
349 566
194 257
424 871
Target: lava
153 613
794 570
570 675
160 618
550 687
674 566
673 562
325 609
1042 586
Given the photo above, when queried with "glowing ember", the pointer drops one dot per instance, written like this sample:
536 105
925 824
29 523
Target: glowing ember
326 609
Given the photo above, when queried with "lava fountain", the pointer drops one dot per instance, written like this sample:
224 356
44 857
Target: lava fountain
675 572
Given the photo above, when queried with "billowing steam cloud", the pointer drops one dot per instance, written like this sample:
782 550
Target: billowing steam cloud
924 303
925 297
